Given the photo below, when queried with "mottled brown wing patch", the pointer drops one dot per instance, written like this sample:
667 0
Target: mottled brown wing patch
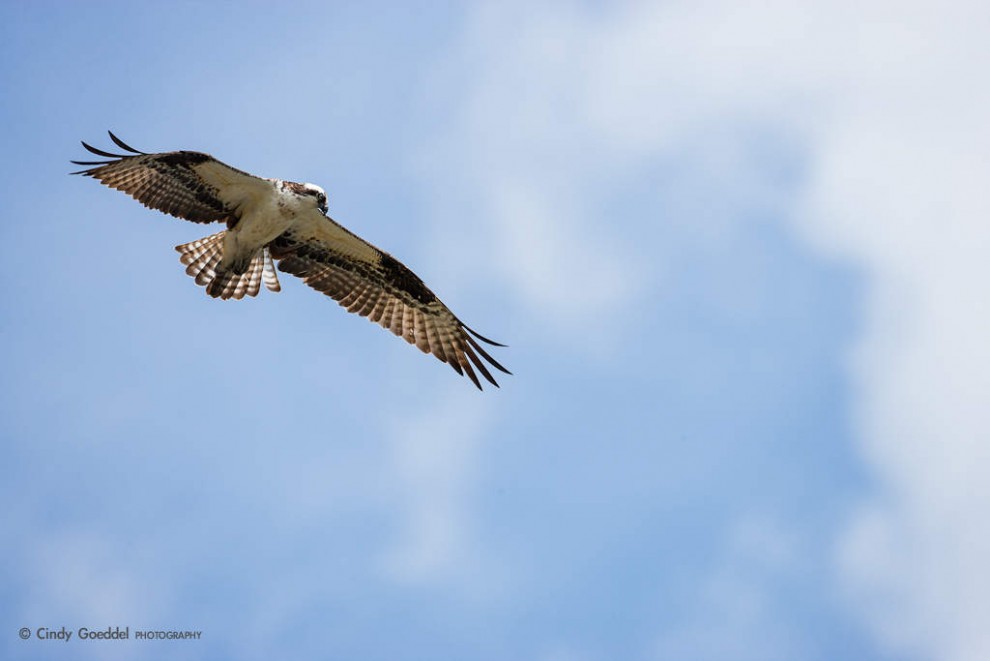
367 290
166 182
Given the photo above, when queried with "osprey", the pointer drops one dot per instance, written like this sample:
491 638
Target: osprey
272 219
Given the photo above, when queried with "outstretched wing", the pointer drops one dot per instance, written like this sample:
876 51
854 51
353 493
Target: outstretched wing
184 184
373 284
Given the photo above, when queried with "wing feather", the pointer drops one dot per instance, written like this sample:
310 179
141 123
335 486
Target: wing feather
373 284
185 184
120 143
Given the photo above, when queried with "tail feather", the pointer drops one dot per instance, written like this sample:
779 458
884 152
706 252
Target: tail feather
268 273
202 259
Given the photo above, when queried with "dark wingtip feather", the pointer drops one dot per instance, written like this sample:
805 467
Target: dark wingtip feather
470 372
90 171
487 357
482 337
480 365
455 364
123 145
100 152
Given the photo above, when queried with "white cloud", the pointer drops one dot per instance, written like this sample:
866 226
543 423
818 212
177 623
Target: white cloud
887 103
515 173
435 460
79 579
733 616
898 187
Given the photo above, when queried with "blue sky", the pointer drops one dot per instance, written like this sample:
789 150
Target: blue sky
737 254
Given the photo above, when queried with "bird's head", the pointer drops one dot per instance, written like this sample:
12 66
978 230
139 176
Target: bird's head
318 194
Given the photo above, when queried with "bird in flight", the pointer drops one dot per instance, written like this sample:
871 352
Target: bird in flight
284 221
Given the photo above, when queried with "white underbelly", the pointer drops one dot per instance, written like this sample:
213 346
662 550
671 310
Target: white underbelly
255 231
252 232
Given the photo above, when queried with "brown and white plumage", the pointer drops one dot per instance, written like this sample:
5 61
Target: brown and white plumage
202 258
286 221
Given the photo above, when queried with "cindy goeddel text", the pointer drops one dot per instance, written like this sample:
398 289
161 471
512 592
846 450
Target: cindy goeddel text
106 633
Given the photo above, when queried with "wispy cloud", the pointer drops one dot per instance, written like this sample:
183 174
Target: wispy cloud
883 102
80 580
544 121
516 171
434 454
899 187
733 616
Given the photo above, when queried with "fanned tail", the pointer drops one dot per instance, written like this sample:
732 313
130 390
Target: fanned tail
202 259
